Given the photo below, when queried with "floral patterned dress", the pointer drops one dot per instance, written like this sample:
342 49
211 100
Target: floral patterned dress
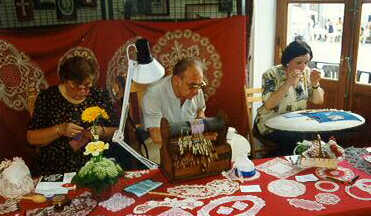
52 108
295 99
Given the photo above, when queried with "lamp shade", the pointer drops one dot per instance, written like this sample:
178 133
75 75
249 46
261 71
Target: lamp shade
147 73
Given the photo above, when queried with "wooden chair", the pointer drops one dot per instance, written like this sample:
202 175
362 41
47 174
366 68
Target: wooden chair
259 144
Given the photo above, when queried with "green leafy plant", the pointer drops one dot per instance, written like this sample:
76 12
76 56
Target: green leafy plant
99 172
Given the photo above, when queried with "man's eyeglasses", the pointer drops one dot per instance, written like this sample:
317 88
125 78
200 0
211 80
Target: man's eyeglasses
197 85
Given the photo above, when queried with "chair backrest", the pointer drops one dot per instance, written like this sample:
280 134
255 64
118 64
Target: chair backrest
251 95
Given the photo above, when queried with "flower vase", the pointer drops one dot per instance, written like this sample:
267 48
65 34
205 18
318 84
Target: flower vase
103 195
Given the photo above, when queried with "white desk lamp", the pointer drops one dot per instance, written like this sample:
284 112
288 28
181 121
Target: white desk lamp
146 70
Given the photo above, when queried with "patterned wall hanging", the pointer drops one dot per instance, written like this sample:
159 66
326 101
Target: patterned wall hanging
180 44
24 10
118 65
66 9
18 76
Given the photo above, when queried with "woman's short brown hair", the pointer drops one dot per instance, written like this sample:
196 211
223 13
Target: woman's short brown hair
77 69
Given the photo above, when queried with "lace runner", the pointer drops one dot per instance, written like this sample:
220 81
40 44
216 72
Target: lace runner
354 157
211 189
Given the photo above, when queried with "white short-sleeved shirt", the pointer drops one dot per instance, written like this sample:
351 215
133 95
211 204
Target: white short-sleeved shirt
160 101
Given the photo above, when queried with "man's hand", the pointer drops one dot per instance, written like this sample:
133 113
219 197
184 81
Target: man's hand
155 134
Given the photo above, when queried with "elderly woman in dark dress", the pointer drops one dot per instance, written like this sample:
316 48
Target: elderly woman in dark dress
56 126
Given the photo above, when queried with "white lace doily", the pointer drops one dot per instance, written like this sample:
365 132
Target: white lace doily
175 212
258 205
173 203
286 188
363 185
278 168
10 205
231 175
136 174
306 204
341 173
335 188
117 202
211 189
327 198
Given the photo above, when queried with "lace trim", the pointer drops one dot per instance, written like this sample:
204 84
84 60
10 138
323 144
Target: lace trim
211 189
173 203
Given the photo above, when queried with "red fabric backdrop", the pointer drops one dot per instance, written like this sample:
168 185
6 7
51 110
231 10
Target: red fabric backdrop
226 38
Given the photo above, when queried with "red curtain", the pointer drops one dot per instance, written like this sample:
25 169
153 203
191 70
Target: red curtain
227 37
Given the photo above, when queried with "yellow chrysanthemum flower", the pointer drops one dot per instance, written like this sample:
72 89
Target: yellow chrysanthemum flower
95 148
92 113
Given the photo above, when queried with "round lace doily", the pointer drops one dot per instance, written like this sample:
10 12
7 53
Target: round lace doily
341 173
286 188
363 185
318 186
327 198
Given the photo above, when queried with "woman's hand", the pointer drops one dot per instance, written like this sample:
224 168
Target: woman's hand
70 129
315 77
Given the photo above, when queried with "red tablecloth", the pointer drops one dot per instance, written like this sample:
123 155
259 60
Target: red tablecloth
275 205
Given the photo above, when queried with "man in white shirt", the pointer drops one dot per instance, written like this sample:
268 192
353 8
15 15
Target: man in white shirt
177 97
